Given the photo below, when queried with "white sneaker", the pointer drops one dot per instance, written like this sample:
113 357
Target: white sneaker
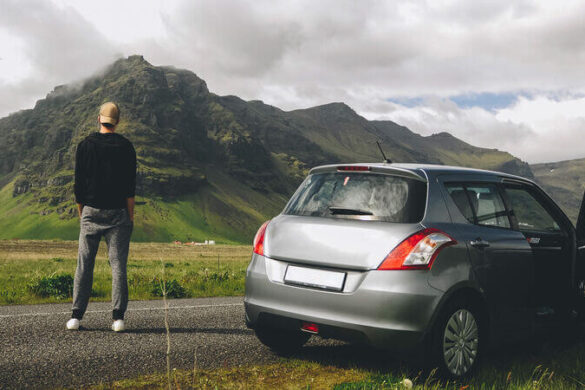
118 326
73 324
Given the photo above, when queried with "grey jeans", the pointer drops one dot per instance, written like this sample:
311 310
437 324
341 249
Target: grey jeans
115 225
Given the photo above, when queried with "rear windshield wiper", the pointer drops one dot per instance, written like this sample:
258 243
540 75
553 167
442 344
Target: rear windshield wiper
344 211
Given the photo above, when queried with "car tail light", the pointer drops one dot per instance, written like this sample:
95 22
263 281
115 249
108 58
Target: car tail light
310 327
259 239
417 251
353 168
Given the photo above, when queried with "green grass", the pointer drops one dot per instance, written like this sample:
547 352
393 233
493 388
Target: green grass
286 374
554 368
195 269
343 368
20 219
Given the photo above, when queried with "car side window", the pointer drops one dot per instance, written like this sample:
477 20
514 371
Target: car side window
460 198
530 213
480 203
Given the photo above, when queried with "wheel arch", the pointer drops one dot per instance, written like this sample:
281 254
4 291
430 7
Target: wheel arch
469 293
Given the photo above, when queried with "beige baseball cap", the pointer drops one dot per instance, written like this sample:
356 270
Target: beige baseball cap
110 113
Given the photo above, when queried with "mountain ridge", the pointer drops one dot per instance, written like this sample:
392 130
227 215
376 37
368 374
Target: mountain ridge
564 181
227 163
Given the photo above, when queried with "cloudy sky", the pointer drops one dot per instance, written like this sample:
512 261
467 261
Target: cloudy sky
498 74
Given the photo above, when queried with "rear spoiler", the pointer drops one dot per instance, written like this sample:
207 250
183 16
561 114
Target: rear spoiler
387 170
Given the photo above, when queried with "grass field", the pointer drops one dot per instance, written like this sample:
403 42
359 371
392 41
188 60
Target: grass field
201 271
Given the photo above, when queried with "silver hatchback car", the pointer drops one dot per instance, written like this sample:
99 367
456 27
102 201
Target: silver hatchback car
429 261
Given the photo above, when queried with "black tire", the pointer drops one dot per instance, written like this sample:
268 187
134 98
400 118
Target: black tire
281 341
456 350
570 332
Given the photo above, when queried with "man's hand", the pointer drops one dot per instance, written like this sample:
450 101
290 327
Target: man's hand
79 209
130 207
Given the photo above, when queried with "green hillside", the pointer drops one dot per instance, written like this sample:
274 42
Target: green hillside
209 167
223 210
565 183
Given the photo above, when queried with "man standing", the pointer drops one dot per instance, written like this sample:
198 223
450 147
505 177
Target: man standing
105 181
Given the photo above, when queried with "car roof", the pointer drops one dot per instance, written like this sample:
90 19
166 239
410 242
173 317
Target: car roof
429 169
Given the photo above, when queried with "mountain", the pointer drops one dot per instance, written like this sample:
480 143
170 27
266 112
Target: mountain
564 181
209 166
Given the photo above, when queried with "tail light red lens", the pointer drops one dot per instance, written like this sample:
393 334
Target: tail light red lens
417 251
353 168
310 327
259 239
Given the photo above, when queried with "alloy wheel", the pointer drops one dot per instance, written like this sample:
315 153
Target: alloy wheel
460 342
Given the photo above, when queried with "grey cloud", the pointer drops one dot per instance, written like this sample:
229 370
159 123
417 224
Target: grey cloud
233 37
475 13
60 43
556 141
16 96
405 49
61 47
300 53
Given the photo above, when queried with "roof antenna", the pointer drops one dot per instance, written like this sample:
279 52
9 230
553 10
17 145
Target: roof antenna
386 160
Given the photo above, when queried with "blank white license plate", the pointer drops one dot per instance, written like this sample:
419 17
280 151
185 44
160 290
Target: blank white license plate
311 277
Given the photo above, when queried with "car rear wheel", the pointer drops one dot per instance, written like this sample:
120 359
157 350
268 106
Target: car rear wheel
281 341
456 345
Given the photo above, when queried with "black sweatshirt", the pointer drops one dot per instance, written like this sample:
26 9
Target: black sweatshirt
105 171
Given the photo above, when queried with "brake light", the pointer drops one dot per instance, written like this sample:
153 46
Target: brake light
353 168
417 251
309 327
259 239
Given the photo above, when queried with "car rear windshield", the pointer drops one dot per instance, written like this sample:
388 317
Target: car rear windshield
366 196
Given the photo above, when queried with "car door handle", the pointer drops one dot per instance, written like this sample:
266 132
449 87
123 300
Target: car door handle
479 243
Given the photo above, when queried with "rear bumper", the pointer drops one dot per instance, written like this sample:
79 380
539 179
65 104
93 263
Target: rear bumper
385 309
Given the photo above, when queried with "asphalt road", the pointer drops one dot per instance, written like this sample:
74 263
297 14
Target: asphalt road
37 352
